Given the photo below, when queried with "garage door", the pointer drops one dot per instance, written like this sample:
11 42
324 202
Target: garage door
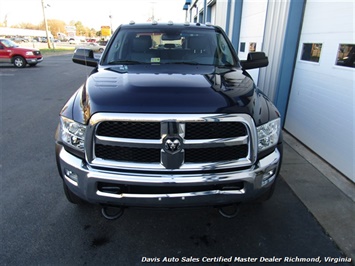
321 106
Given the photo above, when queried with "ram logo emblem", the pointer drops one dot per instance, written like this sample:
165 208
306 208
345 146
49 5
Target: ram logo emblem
172 145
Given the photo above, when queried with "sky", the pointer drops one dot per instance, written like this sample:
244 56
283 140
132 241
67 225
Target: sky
92 13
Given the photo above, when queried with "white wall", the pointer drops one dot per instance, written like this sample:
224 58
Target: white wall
321 106
213 14
274 37
221 13
252 29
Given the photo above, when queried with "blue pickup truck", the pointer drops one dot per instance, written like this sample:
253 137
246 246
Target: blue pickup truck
169 117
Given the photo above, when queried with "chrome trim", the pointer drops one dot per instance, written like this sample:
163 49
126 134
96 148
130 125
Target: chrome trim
156 143
75 164
197 143
137 117
70 180
126 142
88 178
158 167
172 195
181 119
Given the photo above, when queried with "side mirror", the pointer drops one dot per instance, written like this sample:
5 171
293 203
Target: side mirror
85 57
255 60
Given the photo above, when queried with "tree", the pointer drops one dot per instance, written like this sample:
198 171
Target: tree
4 23
26 25
54 26
80 29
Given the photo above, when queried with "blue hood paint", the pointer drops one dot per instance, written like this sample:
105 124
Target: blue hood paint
139 89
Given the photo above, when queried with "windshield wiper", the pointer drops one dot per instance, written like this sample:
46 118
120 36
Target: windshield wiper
125 62
194 63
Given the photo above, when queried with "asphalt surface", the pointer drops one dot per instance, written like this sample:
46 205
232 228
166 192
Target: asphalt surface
39 227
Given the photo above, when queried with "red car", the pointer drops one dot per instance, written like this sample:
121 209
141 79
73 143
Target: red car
20 57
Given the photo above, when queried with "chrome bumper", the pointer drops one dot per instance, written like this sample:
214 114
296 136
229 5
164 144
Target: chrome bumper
83 180
34 60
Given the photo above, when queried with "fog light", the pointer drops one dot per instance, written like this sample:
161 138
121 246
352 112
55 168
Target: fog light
73 176
268 177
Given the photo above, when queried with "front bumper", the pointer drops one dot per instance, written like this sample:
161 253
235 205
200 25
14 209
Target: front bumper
34 60
163 189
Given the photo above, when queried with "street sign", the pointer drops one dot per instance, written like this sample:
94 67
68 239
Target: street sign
105 31
71 31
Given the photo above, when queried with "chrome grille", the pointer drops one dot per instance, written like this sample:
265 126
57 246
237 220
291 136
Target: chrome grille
170 142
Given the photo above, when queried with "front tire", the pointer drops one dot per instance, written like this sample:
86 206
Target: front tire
19 62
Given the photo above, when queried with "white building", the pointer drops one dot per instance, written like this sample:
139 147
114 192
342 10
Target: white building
311 74
22 32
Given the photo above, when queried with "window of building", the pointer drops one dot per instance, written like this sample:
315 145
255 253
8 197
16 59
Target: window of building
311 52
242 47
346 55
252 47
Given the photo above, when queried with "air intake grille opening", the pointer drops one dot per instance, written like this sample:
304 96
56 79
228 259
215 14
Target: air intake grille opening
134 130
214 130
216 154
135 189
117 153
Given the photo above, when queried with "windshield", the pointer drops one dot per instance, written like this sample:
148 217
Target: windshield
8 43
169 45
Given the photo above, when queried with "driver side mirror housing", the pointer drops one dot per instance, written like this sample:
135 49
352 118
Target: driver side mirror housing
85 57
255 60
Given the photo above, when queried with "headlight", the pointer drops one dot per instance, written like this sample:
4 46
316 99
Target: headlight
29 53
72 133
268 134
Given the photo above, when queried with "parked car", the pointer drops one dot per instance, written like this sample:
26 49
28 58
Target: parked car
91 40
181 124
19 39
10 52
102 43
92 46
73 41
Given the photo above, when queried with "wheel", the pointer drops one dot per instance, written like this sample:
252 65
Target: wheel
71 197
19 61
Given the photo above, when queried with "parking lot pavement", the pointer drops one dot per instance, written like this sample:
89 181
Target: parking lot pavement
328 195
39 227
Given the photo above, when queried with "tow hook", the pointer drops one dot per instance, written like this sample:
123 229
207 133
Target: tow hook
112 212
229 211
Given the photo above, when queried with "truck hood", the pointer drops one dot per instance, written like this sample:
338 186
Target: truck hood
176 89
22 49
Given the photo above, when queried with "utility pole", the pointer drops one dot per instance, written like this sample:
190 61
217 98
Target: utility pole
110 16
153 3
45 23
5 21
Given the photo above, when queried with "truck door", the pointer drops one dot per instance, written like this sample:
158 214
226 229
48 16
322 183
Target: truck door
4 53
